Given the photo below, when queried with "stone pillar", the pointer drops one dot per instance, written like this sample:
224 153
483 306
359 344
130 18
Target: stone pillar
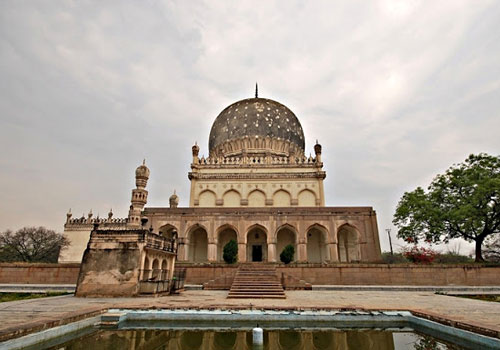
271 252
242 252
212 252
334 255
182 251
302 251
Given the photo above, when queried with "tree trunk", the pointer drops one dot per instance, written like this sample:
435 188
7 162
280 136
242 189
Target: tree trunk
479 246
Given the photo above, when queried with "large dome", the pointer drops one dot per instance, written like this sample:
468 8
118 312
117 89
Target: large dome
256 118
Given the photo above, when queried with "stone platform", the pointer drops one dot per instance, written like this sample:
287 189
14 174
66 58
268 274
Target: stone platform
28 316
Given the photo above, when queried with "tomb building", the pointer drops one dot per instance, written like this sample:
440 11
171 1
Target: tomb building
257 187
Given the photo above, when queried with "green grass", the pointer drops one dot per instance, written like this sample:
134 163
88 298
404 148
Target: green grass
484 297
4 297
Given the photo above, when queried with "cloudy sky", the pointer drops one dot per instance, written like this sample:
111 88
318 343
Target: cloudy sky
396 91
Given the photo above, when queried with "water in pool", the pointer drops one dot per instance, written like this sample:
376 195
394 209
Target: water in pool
404 339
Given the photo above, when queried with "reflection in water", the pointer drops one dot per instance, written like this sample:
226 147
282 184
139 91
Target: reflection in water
242 340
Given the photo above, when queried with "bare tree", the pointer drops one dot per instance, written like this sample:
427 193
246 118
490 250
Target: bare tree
31 244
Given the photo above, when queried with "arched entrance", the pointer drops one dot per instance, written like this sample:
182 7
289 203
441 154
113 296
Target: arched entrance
168 231
348 244
226 233
316 245
286 235
257 244
198 245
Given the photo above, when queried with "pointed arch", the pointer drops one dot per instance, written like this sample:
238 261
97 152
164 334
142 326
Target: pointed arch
306 198
286 234
317 243
206 198
168 231
224 234
198 243
348 243
257 198
231 198
256 241
282 198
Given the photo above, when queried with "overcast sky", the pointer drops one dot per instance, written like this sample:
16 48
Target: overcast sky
395 91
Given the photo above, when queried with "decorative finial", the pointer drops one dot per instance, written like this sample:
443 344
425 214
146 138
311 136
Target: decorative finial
317 141
256 90
144 161
175 191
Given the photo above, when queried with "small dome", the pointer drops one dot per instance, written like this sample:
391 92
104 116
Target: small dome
142 170
256 117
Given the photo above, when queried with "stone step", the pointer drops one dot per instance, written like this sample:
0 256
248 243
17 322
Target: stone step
256 281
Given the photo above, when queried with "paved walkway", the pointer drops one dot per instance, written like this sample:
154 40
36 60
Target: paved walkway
26 316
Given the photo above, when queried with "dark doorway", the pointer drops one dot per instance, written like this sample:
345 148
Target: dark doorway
256 253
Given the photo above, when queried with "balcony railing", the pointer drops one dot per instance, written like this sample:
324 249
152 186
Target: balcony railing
161 243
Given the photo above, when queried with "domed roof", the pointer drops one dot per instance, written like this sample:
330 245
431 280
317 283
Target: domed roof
256 117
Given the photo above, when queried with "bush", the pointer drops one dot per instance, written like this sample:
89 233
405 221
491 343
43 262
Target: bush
397 258
230 252
419 255
452 258
287 254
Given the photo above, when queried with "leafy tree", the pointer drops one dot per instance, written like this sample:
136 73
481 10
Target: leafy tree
31 244
230 252
463 202
287 254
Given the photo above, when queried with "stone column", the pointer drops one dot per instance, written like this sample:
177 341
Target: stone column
271 252
332 248
212 252
182 251
302 251
242 252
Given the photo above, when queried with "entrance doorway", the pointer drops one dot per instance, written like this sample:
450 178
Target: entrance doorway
256 253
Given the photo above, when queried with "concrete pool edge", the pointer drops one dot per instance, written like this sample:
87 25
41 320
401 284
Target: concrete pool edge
112 318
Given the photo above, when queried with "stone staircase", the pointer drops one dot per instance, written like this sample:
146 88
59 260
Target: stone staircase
256 280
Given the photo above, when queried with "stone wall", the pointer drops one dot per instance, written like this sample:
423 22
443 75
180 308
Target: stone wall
341 274
381 274
365 274
39 273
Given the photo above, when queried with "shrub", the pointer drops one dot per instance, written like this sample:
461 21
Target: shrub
452 258
397 258
230 252
419 255
287 254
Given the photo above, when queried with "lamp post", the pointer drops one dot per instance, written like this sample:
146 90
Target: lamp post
390 241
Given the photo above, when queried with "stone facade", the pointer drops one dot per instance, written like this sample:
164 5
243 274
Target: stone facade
257 187
126 262
319 234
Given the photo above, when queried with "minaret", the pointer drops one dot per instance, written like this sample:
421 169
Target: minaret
317 150
196 152
139 195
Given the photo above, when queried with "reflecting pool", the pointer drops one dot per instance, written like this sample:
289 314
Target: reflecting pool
280 339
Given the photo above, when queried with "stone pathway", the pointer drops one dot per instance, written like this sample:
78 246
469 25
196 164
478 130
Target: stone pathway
26 316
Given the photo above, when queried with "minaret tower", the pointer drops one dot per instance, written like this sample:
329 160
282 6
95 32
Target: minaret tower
139 195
